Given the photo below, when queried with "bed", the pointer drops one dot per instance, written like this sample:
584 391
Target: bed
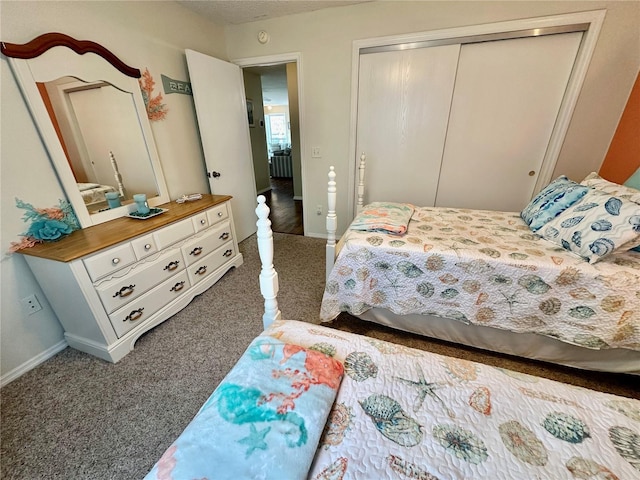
485 279
308 401
93 193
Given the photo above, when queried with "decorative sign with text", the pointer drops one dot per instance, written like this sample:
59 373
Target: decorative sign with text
175 86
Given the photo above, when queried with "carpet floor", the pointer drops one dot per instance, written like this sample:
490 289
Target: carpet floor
78 417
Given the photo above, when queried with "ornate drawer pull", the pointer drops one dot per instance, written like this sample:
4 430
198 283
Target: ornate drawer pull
147 246
134 315
196 251
228 253
201 271
172 265
124 292
224 236
115 261
177 287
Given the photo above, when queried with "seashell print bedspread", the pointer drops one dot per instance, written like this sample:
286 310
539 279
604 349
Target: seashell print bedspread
402 413
488 268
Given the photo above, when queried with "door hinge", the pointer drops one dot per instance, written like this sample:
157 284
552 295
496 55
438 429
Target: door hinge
213 174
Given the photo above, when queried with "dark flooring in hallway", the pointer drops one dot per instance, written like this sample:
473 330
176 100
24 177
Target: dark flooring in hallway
286 213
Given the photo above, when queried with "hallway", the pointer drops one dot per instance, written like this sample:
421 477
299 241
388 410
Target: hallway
286 213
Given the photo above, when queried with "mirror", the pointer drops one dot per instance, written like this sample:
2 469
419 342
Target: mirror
89 110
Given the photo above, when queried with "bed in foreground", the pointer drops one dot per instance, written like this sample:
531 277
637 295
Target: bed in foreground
307 401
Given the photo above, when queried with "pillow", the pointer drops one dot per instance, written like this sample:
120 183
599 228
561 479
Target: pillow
551 201
634 180
624 192
596 226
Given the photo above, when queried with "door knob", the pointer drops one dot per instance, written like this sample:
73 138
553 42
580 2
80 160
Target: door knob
213 174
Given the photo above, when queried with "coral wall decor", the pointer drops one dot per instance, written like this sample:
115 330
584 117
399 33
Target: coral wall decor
156 110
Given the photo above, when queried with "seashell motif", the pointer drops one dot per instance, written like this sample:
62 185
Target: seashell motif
448 279
612 303
485 314
576 238
585 469
339 421
449 293
566 427
350 284
414 240
519 256
572 222
568 276
627 444
585 206
409 269
335 471
490 252
362 274
533 284
359 366
624 332
332 287
471 286
426 247
396 243
480 400
379 297
462 369
434 262
523 443
602 246
532 321
557 260
529 236
590 341
375 240
425 228
550 306
551 232
581 293
323 347
582 311
425 289
461 443
475 267
547 396
500 280
391 421
487 240
345 270
456 315
482 297
601 226
408 469
625 407
361 255
383 266
466 241
612 206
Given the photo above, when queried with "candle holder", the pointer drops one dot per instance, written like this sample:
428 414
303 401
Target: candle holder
113 199
141 203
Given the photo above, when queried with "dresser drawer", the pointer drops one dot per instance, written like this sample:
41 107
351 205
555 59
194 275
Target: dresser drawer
203 246
119 291
200 222
174 233
210 263
137 311
105 263
217 214
144 246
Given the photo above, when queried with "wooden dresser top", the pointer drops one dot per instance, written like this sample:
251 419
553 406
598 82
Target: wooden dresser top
93 239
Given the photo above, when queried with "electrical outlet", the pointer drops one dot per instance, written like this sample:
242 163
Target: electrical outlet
319 210
315 152
30 305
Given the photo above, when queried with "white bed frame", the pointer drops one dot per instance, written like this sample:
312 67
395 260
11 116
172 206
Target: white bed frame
527 345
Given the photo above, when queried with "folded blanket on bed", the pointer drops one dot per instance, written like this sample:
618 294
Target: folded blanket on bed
262 422
384 217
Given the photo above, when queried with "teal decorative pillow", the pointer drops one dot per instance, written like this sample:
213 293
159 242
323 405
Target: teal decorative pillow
621 191
551 201
634 181
596 226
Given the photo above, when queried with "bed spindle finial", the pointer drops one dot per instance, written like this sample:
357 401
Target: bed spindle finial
332 222
363 159
268 275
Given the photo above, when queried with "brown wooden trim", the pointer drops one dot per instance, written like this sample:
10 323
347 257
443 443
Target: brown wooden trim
41 44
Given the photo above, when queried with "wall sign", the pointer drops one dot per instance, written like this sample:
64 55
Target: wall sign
175 86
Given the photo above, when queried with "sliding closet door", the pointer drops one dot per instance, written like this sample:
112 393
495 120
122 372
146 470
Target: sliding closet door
403 107
506 101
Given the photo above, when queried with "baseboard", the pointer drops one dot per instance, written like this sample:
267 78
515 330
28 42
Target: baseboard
297 197
260 192
33 363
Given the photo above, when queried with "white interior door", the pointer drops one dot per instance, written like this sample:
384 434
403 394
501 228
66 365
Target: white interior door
218 94
404 99
506 102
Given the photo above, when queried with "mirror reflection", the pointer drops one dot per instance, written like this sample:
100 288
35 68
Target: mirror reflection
101 135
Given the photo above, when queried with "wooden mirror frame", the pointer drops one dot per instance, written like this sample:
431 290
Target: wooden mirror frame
54 55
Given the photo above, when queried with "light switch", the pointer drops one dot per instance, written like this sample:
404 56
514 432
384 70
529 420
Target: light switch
315 152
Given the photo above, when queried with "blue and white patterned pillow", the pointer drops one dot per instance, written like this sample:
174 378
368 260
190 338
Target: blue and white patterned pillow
552 201
596 226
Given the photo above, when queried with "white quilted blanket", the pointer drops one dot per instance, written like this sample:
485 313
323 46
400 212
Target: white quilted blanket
402 413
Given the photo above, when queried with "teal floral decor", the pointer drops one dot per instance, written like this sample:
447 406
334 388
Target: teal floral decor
47 224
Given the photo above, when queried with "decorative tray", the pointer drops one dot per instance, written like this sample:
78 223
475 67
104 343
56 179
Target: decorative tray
144 216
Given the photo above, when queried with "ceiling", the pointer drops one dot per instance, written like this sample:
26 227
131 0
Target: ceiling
235 12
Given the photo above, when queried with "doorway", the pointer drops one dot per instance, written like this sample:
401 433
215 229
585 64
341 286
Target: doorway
271 92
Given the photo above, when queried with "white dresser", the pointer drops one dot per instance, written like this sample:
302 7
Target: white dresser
110 283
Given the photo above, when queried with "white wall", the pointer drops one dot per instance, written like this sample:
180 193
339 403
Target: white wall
149 35
324 38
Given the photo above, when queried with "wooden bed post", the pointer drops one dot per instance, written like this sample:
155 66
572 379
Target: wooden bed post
332 223
363 158
268 275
